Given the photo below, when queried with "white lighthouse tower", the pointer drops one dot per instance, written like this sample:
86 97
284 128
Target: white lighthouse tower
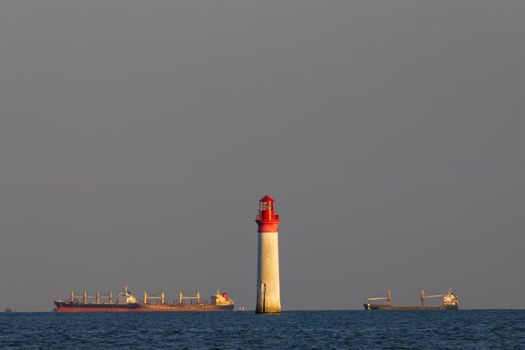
268 289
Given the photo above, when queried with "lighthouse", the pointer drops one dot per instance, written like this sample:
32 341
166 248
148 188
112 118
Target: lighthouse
268 289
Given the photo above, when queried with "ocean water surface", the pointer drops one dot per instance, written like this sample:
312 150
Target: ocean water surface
464 329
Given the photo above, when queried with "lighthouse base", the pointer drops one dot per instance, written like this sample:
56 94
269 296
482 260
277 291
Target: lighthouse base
268 310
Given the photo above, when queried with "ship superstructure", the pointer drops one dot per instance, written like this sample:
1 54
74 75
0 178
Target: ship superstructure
127 302
450 301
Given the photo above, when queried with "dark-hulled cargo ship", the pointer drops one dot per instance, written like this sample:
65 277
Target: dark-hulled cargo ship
449 302
127 302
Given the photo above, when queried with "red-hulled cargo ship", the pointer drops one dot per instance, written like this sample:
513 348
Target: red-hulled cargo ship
127 302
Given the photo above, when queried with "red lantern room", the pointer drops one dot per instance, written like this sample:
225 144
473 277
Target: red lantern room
267 219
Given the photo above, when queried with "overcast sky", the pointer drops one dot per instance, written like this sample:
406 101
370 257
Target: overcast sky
136 138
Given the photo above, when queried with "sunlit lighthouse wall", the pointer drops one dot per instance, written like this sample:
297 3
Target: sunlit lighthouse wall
268 288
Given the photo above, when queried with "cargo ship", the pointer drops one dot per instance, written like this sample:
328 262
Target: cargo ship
449 302
127 302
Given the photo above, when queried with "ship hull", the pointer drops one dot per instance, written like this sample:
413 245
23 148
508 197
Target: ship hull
422 308
78 307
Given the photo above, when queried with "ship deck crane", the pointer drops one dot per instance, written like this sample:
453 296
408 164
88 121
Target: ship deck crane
426 296
387 297
448 295
197 297
155 297
90 297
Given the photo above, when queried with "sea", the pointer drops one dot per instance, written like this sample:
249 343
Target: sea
463 329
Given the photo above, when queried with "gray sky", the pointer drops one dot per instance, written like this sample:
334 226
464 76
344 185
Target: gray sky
136 138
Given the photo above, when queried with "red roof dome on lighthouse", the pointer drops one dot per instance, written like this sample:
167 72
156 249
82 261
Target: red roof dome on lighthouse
267 198
267 219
